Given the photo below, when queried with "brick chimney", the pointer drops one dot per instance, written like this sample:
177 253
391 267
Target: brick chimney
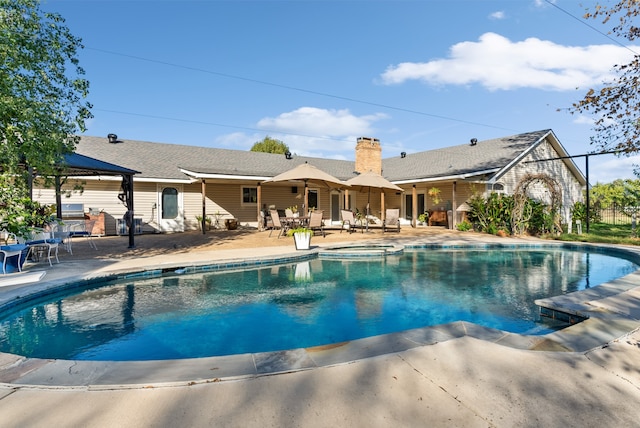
368 155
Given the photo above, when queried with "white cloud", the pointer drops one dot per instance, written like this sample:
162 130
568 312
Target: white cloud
583 120
498 15
607 168
316 121
237 140
310 131
498 63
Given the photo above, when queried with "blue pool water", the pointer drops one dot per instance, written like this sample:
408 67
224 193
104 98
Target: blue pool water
314 302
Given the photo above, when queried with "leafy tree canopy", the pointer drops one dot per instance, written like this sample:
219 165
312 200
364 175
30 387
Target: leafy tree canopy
624 193
270 145
42 90
616 105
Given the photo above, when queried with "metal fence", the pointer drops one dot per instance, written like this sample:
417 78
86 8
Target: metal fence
614 215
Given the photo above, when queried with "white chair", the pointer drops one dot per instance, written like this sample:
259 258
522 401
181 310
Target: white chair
8 253
7 237
62 232
84 229
42 242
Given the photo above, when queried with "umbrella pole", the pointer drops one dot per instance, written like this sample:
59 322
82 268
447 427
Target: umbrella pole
306 199
366 218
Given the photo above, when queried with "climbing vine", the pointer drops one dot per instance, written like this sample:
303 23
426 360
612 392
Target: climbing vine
522 212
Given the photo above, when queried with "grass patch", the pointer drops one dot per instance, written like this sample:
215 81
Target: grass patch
602 233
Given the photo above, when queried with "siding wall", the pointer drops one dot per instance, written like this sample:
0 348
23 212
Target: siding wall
557 169
225 199
102 195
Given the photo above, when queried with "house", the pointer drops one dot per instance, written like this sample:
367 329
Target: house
177 183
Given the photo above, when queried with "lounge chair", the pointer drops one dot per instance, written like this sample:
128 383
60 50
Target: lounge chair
316 222
349 222
391 220
277 223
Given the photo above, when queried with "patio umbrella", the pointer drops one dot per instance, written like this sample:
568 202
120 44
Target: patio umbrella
308 174
370 180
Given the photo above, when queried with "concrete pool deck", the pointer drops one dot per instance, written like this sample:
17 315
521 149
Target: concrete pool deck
586 375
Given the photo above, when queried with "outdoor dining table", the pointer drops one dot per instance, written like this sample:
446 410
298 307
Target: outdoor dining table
293 222
14 257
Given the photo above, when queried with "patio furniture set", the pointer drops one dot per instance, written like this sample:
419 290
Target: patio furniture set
41 244
312 222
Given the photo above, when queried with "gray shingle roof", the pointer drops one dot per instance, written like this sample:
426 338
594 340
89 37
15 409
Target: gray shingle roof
164 161
463 159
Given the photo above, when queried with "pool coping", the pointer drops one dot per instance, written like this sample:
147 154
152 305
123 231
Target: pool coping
612 309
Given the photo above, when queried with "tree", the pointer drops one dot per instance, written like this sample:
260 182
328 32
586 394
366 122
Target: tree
270 145
604 195
41 91
616 106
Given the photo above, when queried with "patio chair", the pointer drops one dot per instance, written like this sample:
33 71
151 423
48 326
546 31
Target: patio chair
41 244
288 212
316 222
264 221
63 233
7 237
391 220
349 222
277 223
11 251
84 229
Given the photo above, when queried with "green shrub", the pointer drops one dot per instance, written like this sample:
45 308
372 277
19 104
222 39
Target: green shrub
291 232
464 226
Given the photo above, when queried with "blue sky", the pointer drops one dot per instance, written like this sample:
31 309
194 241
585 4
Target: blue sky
418 75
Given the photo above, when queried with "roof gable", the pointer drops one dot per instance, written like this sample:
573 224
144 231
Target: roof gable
465 159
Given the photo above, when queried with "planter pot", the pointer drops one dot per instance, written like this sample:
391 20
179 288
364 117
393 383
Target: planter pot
302 241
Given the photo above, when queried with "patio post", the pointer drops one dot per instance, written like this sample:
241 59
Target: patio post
203 222
414 205
259 206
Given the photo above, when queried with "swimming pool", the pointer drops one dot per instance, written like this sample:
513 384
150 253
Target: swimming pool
303 304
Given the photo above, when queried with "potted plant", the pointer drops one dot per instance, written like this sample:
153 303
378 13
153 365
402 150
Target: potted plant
294 210
207 220
422 218
301 237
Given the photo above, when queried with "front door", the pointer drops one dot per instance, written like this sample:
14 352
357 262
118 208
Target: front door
171 212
